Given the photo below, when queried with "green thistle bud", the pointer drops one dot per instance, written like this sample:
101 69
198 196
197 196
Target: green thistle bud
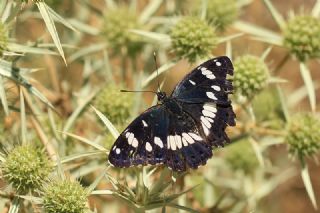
64 196
3 38
54 3
220 13
115 29
250 75
115 105
302 37
303 135
192 38
240 156
26 167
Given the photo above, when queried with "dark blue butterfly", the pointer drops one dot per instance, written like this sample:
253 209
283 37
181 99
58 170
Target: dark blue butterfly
181 131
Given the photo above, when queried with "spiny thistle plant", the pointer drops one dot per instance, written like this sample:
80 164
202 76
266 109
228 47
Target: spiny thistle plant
303 136
52 109
115 105
64 196
302 37
116 30
192 38
26 168
251 76
241 157
220 14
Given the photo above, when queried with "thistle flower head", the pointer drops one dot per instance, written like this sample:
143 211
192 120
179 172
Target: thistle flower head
302 37
192 38
115 105
240 156
221 13
64 196
251 75
26 167
303 135
115 29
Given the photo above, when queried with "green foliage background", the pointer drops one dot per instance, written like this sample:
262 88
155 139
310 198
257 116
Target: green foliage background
63 64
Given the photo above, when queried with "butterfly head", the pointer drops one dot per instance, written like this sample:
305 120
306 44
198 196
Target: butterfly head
161 96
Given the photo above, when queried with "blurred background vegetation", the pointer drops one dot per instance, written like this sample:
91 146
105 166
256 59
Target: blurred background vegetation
63 63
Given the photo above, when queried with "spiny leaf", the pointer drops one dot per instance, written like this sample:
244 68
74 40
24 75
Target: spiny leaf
305 72
44 11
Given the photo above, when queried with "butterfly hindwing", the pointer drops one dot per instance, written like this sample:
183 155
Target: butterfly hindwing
186 147
207 83
212 120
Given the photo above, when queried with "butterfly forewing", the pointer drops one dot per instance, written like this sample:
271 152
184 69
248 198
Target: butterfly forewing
143 141
207 83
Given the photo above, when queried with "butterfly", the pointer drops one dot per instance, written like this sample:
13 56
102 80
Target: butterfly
181 130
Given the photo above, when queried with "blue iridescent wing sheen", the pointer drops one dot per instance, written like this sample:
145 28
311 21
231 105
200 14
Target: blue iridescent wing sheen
143 141
203 94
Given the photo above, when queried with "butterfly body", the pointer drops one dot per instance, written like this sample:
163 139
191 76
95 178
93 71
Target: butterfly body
182 129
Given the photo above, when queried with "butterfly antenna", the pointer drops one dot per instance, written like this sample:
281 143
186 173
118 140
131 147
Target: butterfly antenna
123 90
155 61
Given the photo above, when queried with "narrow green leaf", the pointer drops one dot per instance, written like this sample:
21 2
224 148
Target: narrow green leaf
162 69
87 50
159 38
230 37
83 27
77 156
102 192
307 183
60 170
3 97
298 95
305 73
283 103
275 80
27 49
256 30
23 118
60 19
270 40
81 107
107 123
86 141
184 208
43 9
275 14
256 148
229 49
149 10
95 183
38 94
316 9
266 53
